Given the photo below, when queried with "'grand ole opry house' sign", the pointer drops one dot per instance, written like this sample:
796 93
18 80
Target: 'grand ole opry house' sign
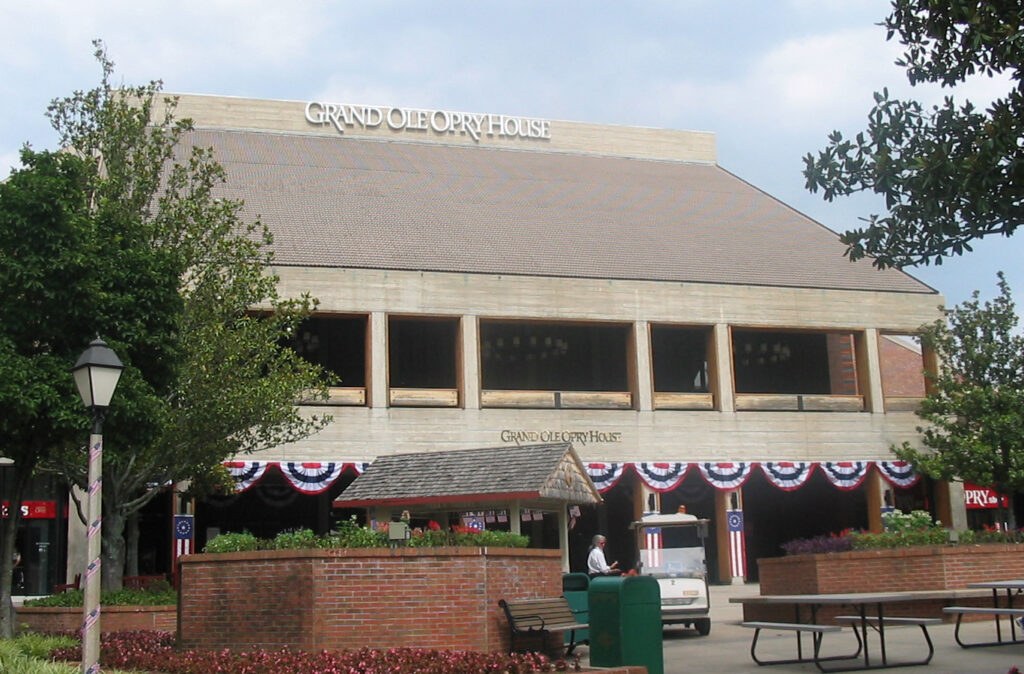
442 122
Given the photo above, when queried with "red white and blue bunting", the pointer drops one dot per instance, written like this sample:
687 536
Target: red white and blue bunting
846 475
308 477
605 475
787 475
724 475
246 473
661 477
311 477
898 473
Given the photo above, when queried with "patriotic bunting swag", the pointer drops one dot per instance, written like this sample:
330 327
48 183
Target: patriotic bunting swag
725 475
787 475
846 474
311 478
662 476
605 475
898 473
246 473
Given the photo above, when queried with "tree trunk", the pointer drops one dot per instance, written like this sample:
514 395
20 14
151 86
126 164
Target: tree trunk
112 558
131 542
8 538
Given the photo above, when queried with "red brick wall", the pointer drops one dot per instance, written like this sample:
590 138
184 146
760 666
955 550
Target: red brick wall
901 369
334 599
112 618
903 569
916 568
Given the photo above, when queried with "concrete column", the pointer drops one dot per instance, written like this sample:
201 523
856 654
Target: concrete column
720 366
515 524
469 372
869 371
950 508
875 488
563 536
644 373
378 359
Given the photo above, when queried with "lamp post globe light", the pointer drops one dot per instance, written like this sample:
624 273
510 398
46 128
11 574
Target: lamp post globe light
96 374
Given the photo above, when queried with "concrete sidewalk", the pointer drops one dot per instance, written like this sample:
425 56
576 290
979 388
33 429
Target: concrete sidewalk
727 648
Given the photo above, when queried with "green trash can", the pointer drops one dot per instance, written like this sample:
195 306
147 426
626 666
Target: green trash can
575 587
625 623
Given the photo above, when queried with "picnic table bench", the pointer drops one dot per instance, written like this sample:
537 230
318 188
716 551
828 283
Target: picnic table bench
538 617
995 612
816 631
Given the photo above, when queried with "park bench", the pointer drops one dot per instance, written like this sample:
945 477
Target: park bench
535 618
995 612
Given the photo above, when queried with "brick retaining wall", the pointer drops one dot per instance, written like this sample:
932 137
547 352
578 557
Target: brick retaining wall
112 618
335 599
934 568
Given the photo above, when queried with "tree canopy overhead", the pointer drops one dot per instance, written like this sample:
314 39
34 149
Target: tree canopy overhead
950 174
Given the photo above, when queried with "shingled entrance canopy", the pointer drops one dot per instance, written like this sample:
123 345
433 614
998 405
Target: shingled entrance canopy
536 477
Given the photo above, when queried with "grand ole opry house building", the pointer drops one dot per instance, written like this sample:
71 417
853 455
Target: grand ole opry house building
492 281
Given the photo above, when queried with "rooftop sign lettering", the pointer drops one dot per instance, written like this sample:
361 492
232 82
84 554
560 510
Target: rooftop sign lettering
440 122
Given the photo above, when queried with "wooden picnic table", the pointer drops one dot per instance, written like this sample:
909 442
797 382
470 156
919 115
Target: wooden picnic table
868 609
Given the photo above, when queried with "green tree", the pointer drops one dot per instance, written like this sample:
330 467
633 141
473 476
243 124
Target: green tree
47 271
975 410
170 274
950 174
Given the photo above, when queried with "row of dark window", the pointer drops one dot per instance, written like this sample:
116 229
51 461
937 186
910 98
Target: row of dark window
553 356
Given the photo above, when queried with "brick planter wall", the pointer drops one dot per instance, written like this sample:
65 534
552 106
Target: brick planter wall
923 569
112 618
380 598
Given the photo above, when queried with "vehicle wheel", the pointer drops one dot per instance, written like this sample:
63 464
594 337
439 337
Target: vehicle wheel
703 626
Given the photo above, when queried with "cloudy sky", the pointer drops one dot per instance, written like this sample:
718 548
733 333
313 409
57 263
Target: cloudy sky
770 78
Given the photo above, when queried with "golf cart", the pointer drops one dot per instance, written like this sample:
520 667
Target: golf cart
672 550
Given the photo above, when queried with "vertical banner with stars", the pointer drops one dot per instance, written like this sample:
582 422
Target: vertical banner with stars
737 548
184 540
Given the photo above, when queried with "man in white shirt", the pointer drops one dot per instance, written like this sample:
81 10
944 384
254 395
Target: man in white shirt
597 565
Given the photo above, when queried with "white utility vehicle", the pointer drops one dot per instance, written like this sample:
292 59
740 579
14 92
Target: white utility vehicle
672 550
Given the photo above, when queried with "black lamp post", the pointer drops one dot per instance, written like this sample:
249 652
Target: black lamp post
96 374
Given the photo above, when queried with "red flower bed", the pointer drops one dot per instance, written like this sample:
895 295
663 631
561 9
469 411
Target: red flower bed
156 652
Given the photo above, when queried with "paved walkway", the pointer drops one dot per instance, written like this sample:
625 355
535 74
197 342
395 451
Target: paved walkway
727 648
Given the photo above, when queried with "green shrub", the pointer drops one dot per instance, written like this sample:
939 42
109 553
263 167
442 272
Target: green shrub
158 595
351 535
233 542
297 540
29 654
901 530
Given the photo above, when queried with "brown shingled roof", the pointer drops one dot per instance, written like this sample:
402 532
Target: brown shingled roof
349 202
539 475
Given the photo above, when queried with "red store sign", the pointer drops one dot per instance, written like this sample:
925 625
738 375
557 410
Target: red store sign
976 497
32 510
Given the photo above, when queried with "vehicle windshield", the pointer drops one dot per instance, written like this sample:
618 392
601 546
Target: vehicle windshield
672 552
